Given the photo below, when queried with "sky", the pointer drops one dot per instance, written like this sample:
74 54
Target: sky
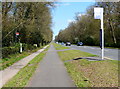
64 13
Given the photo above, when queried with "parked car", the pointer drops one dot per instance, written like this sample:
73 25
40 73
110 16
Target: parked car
57 42
62 43
79 43
68 44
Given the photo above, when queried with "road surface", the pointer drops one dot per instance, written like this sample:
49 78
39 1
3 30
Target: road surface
51 72
109 53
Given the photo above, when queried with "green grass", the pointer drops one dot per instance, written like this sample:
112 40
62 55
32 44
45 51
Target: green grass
72 54
90 73
6 62
23 76
60 47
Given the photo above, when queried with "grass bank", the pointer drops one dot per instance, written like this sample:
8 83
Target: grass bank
60 47
87 73
6 62
23 76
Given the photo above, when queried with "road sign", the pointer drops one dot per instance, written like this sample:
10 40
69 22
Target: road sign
17 33
98 14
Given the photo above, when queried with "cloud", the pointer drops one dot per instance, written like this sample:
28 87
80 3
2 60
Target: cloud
62 4
77 0
66 4
80 14
70 21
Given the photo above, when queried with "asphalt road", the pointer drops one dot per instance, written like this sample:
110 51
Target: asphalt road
109 53
51 72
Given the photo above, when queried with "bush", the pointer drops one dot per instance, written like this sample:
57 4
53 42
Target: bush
27 47
6 51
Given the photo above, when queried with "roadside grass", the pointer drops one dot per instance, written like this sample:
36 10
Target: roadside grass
21 79
6 62
60 47
87 73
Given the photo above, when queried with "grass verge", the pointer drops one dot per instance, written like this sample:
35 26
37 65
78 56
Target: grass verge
60 47
90 73
6 62
23 76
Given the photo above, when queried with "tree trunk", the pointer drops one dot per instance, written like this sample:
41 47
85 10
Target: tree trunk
112 31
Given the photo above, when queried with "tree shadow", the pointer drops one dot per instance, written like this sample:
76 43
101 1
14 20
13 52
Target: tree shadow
89 58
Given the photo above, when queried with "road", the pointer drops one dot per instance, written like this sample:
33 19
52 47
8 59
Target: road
109 53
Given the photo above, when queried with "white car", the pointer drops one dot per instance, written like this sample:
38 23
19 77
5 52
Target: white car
68 44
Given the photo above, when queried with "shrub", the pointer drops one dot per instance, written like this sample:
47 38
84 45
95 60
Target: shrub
6 51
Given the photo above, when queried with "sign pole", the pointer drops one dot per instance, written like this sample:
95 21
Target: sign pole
102 34
98 14
20 47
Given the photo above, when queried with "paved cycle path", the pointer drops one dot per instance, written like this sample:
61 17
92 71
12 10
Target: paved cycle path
51 72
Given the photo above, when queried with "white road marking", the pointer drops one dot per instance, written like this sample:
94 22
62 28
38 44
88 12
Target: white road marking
108 58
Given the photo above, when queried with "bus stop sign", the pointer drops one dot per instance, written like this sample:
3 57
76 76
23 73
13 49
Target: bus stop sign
17 33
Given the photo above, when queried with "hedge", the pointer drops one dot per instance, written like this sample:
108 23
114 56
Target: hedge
6 51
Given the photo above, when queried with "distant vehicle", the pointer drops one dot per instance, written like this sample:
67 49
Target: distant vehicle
68 44
62 43
79 43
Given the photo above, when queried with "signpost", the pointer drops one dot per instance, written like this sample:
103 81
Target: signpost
101 38
20 47
17 34
98 14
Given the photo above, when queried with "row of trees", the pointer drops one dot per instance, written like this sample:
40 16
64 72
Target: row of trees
31 19
87 29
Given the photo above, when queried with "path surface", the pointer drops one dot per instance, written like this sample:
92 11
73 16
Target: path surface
8 73
109 53
51 72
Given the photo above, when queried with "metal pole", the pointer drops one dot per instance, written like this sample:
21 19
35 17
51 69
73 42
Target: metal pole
20 47
102 34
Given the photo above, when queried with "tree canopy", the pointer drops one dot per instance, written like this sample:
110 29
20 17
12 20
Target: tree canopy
87 29
32 20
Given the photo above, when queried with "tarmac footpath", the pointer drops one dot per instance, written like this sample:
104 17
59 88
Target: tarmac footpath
51 72
8 73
